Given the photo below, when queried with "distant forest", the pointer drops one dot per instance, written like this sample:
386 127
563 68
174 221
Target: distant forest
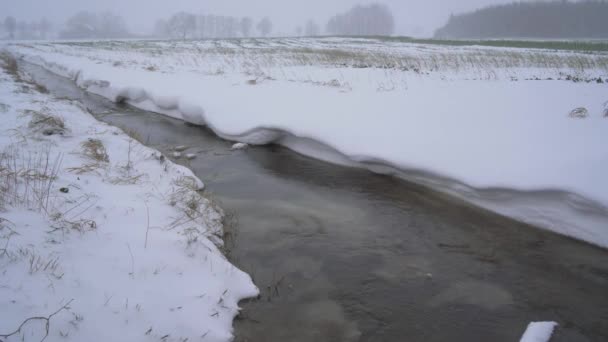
556 19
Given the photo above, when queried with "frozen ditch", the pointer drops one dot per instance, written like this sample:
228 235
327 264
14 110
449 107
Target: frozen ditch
342 254
506 149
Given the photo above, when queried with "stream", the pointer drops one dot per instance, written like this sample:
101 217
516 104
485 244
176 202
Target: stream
342 254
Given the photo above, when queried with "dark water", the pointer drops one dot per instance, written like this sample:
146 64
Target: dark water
342 254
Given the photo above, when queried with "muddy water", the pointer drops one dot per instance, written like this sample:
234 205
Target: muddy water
341 254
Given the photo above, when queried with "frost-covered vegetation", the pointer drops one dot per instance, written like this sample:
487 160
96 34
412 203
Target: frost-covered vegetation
387 63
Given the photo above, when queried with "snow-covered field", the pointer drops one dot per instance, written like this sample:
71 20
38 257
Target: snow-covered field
492 126
101 238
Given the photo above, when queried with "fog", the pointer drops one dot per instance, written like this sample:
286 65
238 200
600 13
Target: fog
412 17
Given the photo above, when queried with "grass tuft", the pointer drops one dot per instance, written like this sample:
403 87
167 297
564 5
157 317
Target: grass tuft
46 124
95 150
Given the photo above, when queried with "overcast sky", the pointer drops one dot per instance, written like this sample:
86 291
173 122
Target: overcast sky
414 17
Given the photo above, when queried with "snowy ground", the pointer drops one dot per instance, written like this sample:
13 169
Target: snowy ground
489 125
101 238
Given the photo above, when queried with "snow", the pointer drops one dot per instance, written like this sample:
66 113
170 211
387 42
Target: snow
129 243
180 148
538 332
239 146
488 125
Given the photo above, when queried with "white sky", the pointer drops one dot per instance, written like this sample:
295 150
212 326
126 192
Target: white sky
414 17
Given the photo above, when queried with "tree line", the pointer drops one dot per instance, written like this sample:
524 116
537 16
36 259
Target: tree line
95 25
82 25
369 20
37 29
185 25
556 19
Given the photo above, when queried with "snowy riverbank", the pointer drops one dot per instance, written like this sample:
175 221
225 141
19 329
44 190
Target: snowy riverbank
94 226
488 125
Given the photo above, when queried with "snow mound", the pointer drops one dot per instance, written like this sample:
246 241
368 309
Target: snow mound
579 113
239 146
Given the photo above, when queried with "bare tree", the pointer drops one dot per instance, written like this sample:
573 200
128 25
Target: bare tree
185 25
111 25
201 26
246 25
23 30
220 26
231 27
81 25
265 26
161 28
299 31
44 27
92 25
10 25
182 25
312 29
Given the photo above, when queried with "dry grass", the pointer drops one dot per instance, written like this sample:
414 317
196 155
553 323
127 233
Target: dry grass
38 263
11 67
4 108
126 180
27 178
95 150
84 169
7 231
200 216
579 113
46 124
9 64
